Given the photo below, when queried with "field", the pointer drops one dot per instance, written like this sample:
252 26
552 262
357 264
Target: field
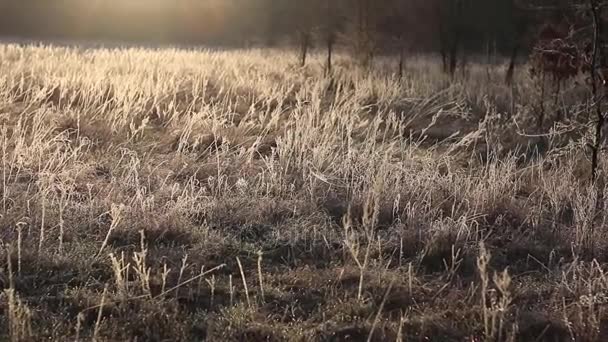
165 195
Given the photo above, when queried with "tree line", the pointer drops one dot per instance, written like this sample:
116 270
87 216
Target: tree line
368 25
455 29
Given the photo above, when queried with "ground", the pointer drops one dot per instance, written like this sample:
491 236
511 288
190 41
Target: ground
173 195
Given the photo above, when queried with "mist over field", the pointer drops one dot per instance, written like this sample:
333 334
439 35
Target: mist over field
265 170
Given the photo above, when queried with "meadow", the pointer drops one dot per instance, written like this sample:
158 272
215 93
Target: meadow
184 195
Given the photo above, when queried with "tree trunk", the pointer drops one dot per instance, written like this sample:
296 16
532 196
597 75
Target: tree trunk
488 60
597 98
453 58
304 45
455 17
463 64
558 88
444 59
541 115
364 40
443 47
330 36
511 70
401 64
330 48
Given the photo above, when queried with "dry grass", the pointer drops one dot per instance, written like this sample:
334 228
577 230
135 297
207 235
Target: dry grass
181 195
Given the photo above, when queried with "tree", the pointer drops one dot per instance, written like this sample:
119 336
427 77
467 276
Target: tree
598 65
522 24
588 20
362 31
450 18
332 23
396 26
405 27
303 19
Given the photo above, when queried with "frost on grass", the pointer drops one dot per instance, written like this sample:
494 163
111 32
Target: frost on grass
182 195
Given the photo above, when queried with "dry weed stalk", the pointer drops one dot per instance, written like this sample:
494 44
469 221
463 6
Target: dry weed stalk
352 244
120 268
4 168
141 268
116 214
19 244
211 283
495 302
369 220
380 310
19 318
260 276
100 314
165 273
231 290
79 319
182 269
245 288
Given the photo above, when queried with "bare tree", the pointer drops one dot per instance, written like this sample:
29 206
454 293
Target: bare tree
594 59
450 17
363 31
396 25
332 22
305 40
598 64
302 18
522 24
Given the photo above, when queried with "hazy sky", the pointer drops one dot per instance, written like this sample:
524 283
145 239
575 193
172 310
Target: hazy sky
146 20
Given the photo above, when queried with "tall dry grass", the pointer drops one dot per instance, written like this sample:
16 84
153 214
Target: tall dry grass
139 186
